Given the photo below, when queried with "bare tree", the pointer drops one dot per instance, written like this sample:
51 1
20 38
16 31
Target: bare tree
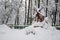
28 12
25 12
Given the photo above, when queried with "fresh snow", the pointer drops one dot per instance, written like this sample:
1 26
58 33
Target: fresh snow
4 28
20 34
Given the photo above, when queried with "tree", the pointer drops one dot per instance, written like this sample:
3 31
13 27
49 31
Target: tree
25 12
46 7
28 12
38 3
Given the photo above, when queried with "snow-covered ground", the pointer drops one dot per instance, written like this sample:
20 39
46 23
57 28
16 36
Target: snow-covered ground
16 34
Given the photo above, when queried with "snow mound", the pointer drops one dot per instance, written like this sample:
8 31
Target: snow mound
4 28
40 33
29 30
44 34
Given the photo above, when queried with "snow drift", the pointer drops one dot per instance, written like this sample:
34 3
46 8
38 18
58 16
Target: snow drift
17 34
4 28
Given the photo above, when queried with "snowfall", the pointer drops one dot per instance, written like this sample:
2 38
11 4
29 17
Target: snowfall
7 33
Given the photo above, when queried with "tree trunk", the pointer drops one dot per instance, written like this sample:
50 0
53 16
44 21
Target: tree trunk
25 12
17 18
38 3
46 7
28 12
